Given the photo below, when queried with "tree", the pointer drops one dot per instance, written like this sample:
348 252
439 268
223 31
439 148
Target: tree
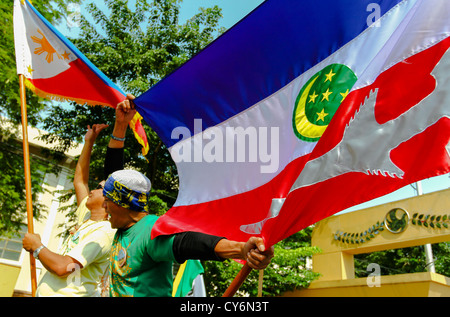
404 260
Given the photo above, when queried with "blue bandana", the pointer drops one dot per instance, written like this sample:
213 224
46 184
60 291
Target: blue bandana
124 196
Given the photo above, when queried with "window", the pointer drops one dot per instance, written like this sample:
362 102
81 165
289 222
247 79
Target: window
11 248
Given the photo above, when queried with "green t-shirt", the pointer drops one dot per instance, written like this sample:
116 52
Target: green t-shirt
141 266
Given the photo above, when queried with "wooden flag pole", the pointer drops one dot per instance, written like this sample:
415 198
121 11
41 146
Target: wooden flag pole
238 280
260 282
26 159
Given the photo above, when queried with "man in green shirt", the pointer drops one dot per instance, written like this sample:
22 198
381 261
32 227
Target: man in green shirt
140 266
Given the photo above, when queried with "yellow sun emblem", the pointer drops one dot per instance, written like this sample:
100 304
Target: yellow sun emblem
45 47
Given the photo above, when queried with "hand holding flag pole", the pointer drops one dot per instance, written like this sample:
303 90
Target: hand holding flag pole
257 256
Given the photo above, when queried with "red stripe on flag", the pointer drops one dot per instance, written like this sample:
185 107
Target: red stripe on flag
79 83
246 208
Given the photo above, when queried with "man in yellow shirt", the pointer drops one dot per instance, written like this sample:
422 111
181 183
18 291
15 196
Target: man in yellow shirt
78 268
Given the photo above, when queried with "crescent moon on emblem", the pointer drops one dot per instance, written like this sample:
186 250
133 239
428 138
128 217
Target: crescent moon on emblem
303 126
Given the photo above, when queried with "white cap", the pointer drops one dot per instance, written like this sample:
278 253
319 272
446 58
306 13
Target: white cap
133 180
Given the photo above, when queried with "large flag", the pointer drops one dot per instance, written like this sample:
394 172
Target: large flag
302 109
54 68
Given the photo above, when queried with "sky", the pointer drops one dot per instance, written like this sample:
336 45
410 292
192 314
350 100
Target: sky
235 10
232 10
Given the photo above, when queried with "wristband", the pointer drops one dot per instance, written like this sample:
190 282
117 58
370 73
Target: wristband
36 252
117 139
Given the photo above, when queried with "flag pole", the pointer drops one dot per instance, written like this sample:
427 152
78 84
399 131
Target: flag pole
238 280
428 249
260 282
26 159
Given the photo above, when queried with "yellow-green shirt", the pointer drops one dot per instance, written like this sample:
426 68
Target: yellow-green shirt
90 245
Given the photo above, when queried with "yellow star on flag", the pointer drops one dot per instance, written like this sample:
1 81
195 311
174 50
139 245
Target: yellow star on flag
326 94
312 98
30 70
321 115
65 55
344 94
329 76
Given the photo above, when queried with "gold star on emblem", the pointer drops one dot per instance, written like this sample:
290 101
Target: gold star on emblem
321 115
326 94
329 76
312 98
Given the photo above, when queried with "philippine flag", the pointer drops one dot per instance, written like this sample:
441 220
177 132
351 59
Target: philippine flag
54 68
302 109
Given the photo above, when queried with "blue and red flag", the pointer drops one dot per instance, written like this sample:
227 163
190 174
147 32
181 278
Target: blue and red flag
54 68
303 109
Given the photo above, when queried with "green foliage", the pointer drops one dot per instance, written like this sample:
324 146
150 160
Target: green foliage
441 254
359 237
405 260
288 270
138 48
12 184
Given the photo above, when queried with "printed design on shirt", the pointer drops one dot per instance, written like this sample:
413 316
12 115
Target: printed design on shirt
120 269
72 240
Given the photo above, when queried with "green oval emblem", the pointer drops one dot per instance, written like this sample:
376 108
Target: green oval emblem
396 220
319 99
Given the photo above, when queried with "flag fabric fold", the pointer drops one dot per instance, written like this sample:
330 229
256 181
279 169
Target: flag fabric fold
275 126
185 277
55 69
